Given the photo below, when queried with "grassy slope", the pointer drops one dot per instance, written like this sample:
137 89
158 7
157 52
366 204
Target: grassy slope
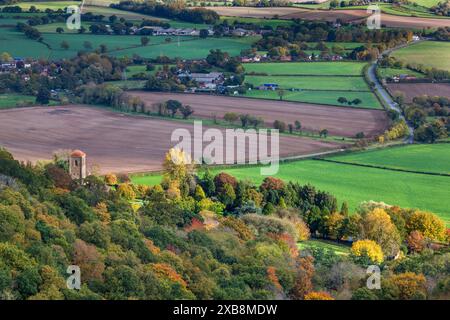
422 52
422 157
356 184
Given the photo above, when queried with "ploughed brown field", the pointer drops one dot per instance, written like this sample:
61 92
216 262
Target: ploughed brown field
338 121
113 142
330 15
412 90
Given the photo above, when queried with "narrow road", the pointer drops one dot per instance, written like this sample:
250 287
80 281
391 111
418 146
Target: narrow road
391 104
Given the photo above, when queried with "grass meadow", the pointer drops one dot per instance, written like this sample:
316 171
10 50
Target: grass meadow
343 68
432 158
420 53
313 82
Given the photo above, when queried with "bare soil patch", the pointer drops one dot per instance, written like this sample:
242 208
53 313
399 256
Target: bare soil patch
112 141
412 90
340 121
331 15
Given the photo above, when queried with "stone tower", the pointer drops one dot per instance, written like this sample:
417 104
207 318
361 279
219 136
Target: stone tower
77 165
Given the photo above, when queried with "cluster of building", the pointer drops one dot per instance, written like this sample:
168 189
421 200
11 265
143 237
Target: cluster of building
15 63
160 31
403 77
205 81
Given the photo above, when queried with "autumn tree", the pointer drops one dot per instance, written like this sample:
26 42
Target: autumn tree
89 260
367 252
320 295
429 225
303 281
377 225
415 241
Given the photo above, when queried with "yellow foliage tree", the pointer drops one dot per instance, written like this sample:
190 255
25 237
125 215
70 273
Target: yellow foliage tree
126 191
431 226
318 295
111 179
367 249
177 164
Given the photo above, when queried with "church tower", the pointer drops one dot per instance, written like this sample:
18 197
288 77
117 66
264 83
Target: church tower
77 165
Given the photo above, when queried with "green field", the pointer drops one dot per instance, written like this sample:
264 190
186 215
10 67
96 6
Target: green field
306 68
338 249
391 72
20 46
54 5
11 100
420 157
312 82
321 97
355 184
193 49
434 54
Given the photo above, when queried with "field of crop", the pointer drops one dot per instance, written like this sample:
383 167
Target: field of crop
342 122
339 249
412 90
355 184
306 68
261 22
420 53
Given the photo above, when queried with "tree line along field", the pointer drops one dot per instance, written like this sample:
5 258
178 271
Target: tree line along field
435 54
355 184
313 82
433 158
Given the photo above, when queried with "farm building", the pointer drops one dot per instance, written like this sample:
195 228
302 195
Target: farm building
208 81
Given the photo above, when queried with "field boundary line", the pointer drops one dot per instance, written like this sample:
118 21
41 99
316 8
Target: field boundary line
383 167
